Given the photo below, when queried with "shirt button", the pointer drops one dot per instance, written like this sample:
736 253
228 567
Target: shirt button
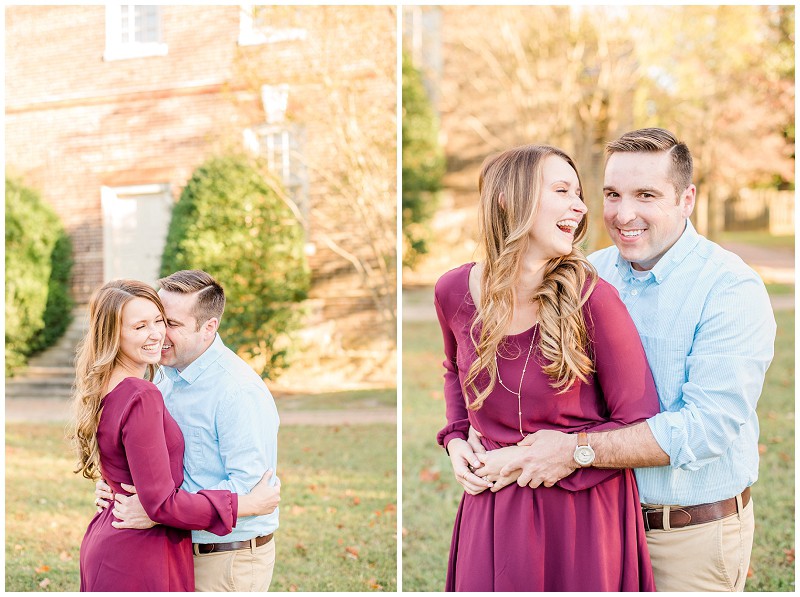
634 292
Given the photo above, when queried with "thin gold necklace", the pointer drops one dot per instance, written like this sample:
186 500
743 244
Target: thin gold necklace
522 377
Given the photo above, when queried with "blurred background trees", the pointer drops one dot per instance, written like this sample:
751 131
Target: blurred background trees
720 77
423 163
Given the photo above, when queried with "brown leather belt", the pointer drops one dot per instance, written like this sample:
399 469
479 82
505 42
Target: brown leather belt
684 516
234 545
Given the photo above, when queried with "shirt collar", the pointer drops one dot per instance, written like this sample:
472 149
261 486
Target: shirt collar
200 364
676 253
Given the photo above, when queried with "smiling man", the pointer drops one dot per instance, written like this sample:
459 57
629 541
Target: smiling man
230 429
708 330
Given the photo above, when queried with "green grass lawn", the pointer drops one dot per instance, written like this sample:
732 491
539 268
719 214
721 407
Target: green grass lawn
431 495
338 509
762 238
351 400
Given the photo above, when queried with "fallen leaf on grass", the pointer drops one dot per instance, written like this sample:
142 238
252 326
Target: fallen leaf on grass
776 439
390 508
437 395
428 475
356 501
762 449
340 541
785 457
331 510
17 547
44 583
404 532
64 557
42 569
352 551
300 547
750 572
373 584
789 555
295 509
292 588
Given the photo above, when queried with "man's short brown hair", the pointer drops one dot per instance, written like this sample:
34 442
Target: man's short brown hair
654 140
210 296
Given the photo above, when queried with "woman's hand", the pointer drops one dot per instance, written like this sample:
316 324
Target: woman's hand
462 458
493 463
262 499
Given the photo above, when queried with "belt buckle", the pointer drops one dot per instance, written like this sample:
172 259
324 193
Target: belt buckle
645 512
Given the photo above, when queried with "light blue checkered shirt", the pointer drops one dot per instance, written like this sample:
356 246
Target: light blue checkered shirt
707 327
230 427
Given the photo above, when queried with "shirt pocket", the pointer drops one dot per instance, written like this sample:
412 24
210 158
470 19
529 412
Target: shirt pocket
667 360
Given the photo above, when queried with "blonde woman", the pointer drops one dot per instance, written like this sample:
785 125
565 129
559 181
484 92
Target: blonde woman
123 431
534 340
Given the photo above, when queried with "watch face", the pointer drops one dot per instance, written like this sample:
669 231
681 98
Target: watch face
584 455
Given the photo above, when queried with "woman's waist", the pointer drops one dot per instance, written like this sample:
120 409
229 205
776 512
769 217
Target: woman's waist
494 437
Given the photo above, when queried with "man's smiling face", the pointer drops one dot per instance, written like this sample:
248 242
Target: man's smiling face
642 211
184 342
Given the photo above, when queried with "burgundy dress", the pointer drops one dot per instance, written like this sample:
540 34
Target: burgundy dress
586 532
142 445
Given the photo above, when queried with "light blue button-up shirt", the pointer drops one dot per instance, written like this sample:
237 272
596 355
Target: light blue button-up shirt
708 330
230 427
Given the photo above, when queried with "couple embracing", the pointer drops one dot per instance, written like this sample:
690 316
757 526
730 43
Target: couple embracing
183 434
563 375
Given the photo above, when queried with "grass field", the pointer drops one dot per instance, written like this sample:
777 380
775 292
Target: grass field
431 495
338 509
759 238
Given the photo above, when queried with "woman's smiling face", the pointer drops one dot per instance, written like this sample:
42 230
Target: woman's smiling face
561 209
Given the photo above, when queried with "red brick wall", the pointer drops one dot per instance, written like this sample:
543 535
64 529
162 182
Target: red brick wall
75 122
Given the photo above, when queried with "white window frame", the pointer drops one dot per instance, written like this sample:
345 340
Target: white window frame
116 49
250 35
286 162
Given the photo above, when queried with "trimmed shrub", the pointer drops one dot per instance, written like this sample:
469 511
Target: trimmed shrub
38 264
58 310
232 224
423 163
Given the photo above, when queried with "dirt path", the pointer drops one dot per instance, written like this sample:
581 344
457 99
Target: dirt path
49 410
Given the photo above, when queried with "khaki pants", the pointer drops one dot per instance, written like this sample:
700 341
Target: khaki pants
714 556
239 570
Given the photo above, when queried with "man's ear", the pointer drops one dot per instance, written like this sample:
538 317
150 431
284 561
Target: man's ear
687 200
210 327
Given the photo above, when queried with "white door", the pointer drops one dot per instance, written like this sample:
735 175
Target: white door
135 223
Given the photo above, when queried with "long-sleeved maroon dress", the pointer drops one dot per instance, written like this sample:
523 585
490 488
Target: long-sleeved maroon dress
142 445
586 532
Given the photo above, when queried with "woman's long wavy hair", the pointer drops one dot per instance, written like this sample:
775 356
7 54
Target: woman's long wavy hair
505 233
98 353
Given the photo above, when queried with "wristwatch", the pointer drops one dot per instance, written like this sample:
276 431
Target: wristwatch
584 454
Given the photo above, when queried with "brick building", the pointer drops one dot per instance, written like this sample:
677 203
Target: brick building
110 109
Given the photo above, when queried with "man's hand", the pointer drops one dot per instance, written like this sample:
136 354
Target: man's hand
493 463
262 499
103 496
462 458
129 511
546 460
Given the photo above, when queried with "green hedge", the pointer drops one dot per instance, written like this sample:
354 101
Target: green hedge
38 265
232 224
423 163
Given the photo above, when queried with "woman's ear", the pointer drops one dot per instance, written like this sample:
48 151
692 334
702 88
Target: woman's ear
502 200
